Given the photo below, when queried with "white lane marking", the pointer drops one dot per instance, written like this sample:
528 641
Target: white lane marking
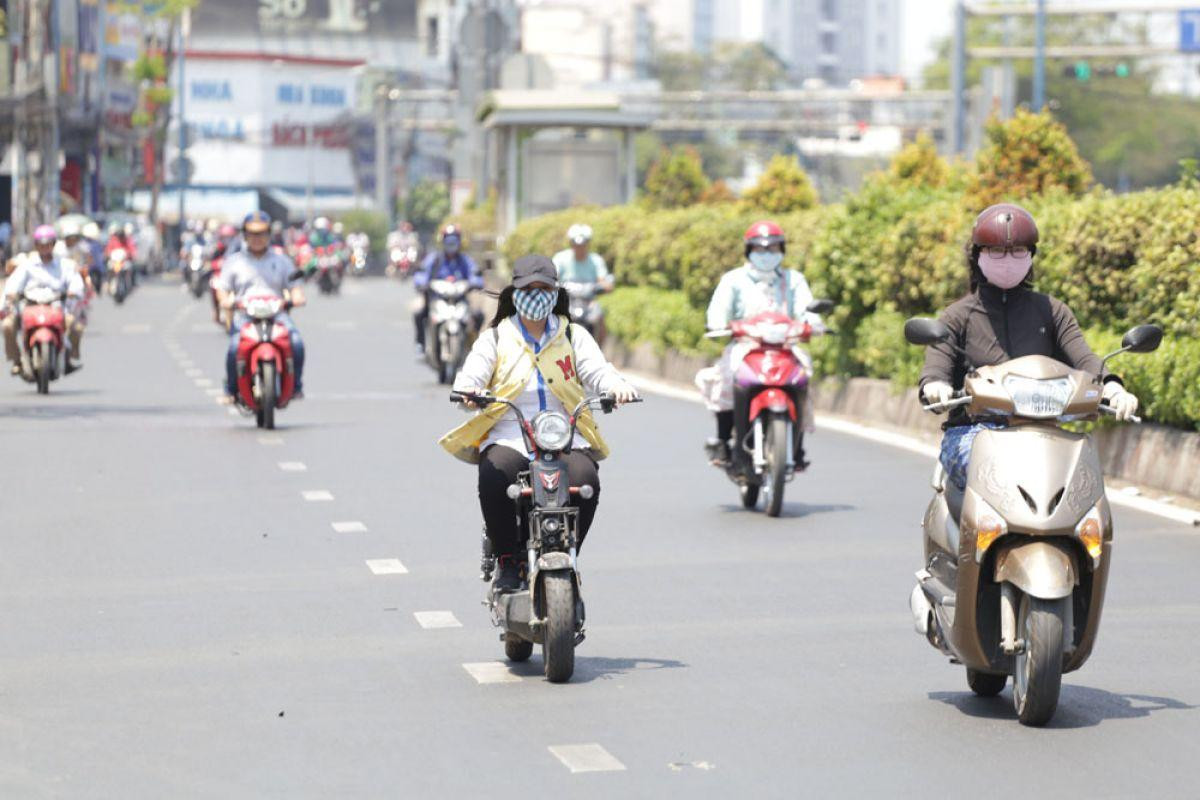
437 619
203 383
491 672
586 758
135 327
386 566
269 441
215 392
914 445
352 526
293 466
192 372
680 766
317 496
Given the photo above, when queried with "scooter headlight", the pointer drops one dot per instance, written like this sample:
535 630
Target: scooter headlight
1040 399
776 333
989 526
551 431
1090 531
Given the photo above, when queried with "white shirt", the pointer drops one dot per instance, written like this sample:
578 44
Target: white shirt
743 293
60 274
243 274
595 373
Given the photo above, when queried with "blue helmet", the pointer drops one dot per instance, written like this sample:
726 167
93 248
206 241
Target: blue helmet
257 222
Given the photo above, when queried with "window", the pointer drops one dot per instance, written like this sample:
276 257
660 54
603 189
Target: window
828 42
829 9
431 37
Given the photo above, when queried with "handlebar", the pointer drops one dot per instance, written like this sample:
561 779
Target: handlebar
961 399
1107 409
607 402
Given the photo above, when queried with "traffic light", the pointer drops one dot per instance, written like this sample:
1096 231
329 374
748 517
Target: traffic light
1121 70
1083 71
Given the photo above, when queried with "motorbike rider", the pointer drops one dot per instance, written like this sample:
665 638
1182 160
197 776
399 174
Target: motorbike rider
760 284
78 250
448 262
119 239
35 271
259 270
1002 318
404 236
532 356
96 263
578 264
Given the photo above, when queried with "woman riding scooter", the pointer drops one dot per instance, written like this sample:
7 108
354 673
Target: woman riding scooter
535 358
1002 318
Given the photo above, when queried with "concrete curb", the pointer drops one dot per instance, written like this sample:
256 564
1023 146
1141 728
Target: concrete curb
1143 459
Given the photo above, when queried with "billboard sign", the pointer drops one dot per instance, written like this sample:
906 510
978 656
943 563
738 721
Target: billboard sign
379 18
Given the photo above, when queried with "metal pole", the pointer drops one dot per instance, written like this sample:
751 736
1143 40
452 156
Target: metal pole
382 152
50 168
1039 58
183 171
958 77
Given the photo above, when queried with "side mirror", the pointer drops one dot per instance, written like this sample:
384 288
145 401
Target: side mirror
1143 339
923 331
820 306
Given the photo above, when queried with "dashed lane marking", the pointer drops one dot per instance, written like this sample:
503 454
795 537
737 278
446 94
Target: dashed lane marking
352 526
437 619
203 383
215 392
491 672
269 441
135 327
386 566
586 758
293 466
317 496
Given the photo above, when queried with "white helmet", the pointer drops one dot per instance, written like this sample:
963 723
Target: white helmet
579 233
68 229
91 231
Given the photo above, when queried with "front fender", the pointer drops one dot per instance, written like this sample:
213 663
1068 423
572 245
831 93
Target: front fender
1039 569
772 399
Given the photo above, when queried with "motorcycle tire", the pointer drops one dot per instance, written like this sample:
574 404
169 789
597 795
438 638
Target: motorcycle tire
985 684
517 649
267 394
447 374
749 492
43 366
558 646
1037 672
776 477
120 292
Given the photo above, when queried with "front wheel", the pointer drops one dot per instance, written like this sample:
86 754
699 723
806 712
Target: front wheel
266 395
1037 672
778 431
558 646
43 365
517 649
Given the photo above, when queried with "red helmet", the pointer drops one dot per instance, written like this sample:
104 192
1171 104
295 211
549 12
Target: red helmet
765 233
227 231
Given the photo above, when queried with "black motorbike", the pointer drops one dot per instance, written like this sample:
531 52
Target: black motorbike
548 609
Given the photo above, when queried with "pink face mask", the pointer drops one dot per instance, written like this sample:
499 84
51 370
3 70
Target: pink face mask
1005 271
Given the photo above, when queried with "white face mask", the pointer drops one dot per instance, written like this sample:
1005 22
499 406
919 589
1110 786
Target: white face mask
766 262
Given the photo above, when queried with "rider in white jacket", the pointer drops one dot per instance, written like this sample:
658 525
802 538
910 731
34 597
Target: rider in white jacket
761 284
44 269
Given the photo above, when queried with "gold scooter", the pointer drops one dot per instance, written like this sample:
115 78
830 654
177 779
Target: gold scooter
1016 563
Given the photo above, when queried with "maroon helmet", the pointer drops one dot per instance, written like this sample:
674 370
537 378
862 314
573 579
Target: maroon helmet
1004 225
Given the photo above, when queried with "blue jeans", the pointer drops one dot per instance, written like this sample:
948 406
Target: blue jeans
956 450
231 354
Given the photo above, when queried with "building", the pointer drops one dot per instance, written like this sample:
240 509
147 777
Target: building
585 43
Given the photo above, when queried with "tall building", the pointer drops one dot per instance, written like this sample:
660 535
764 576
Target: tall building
839 40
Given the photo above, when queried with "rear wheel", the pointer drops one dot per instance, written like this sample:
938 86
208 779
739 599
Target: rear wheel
1037 677
985 684
267 394
43 366
558 647
777 434
517 649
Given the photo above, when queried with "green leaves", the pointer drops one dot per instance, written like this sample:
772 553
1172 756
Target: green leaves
783 187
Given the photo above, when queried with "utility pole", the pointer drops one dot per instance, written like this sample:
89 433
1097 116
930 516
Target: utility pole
383 140
50 165
1039 60
958 78
185 24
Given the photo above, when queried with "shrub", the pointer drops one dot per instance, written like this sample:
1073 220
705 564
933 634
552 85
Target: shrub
1028 155
675 180
918 164
783 187
657 316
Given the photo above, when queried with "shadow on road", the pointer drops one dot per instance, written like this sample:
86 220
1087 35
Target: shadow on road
1078 706
52 411
794 510
590 669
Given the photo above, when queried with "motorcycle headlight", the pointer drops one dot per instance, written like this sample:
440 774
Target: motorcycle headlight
551 431
775 333
1039 398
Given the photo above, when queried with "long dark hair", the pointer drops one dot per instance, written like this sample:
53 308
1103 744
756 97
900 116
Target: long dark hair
505 307
971 252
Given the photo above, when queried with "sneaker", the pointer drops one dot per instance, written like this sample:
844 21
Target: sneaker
297 395
718 452
508 575
16 369
72 366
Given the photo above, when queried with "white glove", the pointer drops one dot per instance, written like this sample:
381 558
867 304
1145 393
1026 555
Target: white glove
938 392
624 392
1124 404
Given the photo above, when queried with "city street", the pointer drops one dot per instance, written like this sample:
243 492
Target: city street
190 607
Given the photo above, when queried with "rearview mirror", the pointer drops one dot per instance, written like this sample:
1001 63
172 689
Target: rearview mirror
1143 339
919 330
820 306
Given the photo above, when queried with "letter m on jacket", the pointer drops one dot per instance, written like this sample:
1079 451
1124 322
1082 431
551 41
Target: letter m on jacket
568 369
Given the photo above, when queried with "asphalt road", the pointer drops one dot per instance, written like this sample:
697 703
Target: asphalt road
177 620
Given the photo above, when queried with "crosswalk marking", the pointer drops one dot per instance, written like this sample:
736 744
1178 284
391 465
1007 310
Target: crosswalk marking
349 527
437 619
491 672
586 758
386 566
317 495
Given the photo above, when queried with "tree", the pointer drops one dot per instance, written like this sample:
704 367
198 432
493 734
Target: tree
749 67
782 188
426 205
152 71
676 179
681 72
918 164
1030 154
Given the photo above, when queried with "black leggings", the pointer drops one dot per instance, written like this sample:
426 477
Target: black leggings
498 469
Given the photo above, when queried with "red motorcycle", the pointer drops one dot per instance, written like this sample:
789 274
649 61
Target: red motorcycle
266 373
769 392
43 326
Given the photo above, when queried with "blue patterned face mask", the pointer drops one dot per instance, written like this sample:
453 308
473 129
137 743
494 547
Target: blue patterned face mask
535 304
